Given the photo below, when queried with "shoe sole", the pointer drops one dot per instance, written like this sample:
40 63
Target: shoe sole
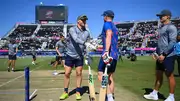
63 99
151 99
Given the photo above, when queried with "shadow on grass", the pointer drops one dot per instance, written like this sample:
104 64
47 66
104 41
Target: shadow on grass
149 90
17 70
84 89
61 73
176 75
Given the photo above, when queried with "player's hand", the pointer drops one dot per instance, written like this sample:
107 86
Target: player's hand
106 58
161 58
95 43
15 53
88 59
60 55
90 46
155 56
86 62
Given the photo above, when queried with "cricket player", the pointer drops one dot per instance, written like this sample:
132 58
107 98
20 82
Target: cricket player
13 49
177 51
110 50
33 53
22 52
166 59
77 41
60 49
120 55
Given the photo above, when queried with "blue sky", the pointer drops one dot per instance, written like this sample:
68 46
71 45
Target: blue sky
13 11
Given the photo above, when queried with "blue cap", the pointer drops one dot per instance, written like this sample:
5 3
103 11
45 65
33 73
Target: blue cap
109 13
164 13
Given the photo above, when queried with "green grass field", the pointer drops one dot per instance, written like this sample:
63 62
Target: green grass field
133 76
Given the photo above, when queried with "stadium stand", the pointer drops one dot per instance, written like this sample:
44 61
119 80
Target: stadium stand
144 33
141 34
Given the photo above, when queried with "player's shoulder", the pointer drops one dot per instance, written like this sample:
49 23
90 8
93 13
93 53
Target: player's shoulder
108 23
57 42
171 27
72 28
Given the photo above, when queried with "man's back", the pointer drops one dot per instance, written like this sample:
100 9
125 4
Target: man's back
114 40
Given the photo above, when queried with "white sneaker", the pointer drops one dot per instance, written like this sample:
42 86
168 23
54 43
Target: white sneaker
170 99
151 96
55 73
33 63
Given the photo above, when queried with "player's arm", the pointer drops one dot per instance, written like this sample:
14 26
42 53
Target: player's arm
172 40
57 50
108 30
73 34
16 49
108 39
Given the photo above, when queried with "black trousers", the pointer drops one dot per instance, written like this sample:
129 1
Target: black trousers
178 61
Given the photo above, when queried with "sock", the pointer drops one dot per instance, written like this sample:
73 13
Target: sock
171 95
78 89
66 90
110 97
154 92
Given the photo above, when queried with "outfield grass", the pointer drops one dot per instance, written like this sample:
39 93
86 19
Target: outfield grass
136 76
133 76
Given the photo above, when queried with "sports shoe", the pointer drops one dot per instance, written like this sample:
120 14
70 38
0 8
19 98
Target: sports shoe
33 63
63 96
78 96
55 73
170 98
8 69
151 96
13 70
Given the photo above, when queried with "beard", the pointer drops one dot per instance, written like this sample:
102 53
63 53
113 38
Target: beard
83 28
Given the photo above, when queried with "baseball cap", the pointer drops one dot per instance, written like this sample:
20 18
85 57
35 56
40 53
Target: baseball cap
108 13
164 12
61 35
82 17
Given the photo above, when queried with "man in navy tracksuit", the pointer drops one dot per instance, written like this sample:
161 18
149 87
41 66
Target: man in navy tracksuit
165 60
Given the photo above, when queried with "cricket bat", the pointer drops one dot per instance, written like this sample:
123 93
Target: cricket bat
104 82
91 86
